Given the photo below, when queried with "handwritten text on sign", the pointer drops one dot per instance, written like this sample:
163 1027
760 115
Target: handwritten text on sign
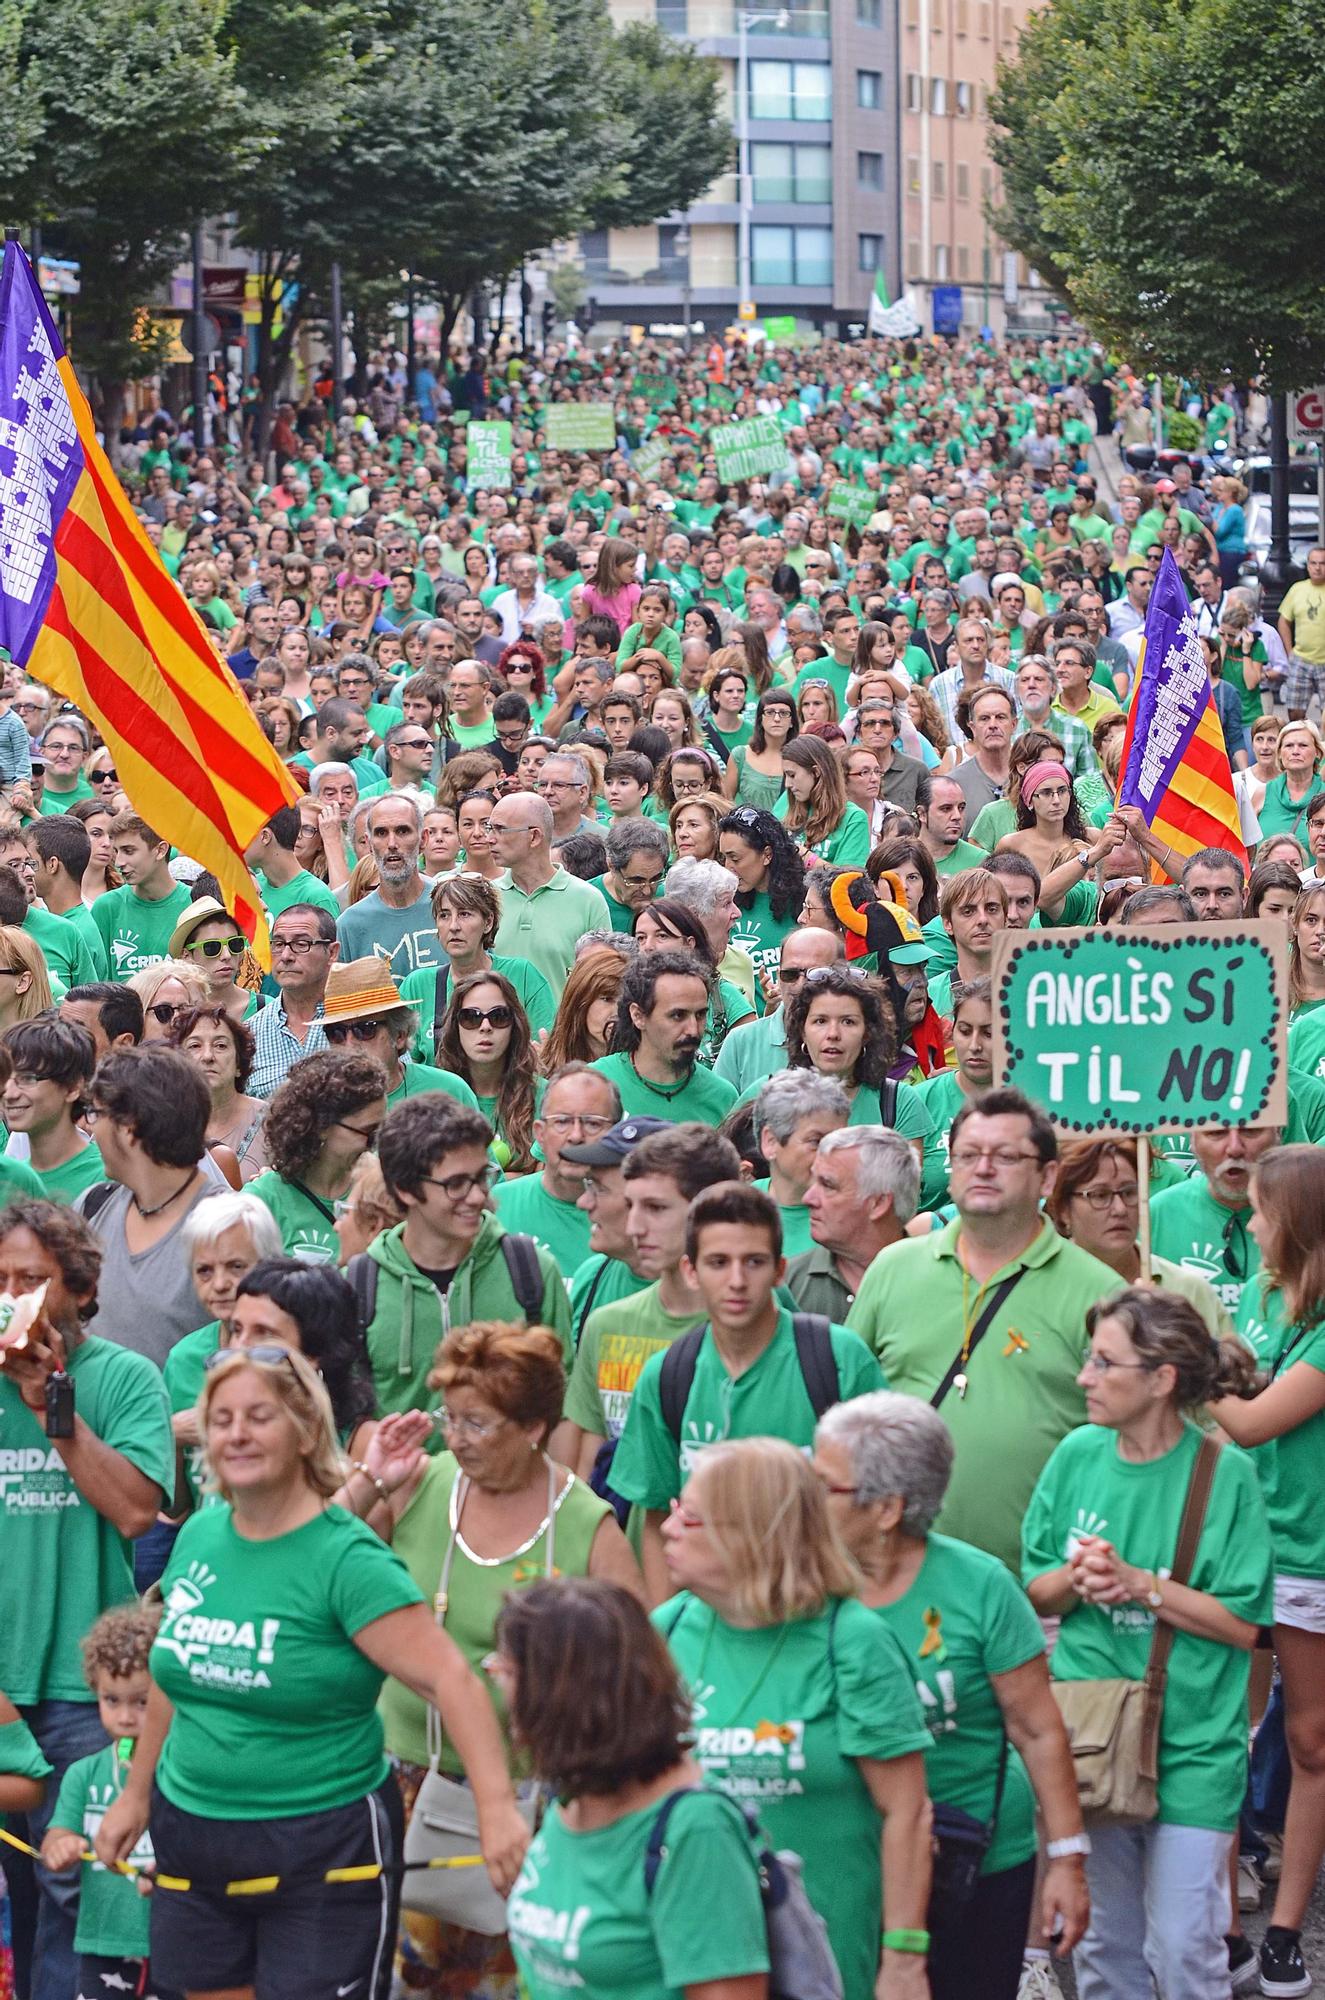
1168 1028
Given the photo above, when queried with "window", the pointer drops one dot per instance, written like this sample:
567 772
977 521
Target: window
593 250
963 23
782 255
913 173
986 180
914 91
672 16
940 262
797 90
869 13
986 24
965 99
869 252
938 96
672 263
913 264
869 170
963 181
963 261
913 13
791 173
869 89
940 178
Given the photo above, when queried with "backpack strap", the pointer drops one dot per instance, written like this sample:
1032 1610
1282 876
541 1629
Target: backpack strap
888 1101
96 1198
677 1375
362 1272
656 1850
526 1274
590 1296
818 1363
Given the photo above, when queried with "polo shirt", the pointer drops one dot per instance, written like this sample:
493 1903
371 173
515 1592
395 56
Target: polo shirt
703 1096
913 1308
544 924
904 782
1096 704
813 1281
753 1052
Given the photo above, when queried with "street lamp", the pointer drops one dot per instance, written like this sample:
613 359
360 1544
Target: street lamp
745 19
682 246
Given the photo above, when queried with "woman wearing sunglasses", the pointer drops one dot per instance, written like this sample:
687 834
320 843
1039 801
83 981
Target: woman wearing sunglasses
212 943
101 774
363 1010
166 989
485 1040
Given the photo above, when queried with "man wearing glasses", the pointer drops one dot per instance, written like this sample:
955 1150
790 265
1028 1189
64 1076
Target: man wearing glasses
544 911
445 1265
757 1049
409 751
304 948
579 1105
986 1318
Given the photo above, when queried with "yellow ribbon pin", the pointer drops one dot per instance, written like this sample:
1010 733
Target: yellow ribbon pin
1017 1343
932 1646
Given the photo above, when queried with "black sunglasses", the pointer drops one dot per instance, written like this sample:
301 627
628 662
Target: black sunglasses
105 777
500 1016
165 1011
338 1032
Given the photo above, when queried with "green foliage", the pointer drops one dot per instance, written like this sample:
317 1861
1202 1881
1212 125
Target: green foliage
1170 183
670 100
567 288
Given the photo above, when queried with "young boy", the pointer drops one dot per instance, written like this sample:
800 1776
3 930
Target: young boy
112 1934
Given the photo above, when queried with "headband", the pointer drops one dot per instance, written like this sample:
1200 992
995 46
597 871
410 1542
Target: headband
1037 776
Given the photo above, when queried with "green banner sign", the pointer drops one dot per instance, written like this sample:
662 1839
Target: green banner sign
853 503
645 462
1163 1029
489 462
580 426
780 331
658 391
719 398
744 450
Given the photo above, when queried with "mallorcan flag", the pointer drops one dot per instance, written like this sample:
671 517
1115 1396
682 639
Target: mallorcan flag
1175 765
86 607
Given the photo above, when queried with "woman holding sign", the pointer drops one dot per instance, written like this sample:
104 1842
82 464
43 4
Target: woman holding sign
1283 1425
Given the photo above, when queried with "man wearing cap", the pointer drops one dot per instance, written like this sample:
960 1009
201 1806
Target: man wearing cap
758 1048
1167 507
864 1188
395 922
545 911
608 1273
363 1010
580 1103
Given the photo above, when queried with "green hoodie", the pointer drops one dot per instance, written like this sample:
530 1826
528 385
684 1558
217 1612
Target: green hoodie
410 1316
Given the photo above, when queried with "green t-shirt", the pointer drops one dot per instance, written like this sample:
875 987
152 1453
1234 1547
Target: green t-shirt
1291 1468
580 1917
943 1097
769 1399
964 855
53 804
307 1224
20 1753
186 1366
275 1707
913 1307
796 1237
524 1206
419 989
417 1078
73 1177
702 1096
69 960
19 1182
753 1052
623 917
113 1919
80 916
760 934
1306 1042
301 888
137 933
1196 1232
827 669
599 1281
1087 1484
849 843
64 1563
963 1620
782 1715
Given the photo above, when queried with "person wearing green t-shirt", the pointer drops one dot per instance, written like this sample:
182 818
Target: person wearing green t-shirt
137 921
662 1016
805 1707
1099 1541
321 1120
271 856
1203 1222
976 1651
771 877
578 1104
283 1615
53 1061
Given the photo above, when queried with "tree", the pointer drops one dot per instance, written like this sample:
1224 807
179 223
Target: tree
1164 166
670 100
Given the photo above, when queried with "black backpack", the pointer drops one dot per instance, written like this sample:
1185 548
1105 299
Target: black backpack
523 1267
814 1351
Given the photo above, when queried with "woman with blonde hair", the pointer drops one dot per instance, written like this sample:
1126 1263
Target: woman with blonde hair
693 824
25 984
1306 956
1298 754
167 990
927 716
318 1606
803 1697
367 1208
586 1011
815 808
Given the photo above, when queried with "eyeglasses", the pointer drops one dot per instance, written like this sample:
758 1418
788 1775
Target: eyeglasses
300 946
842 1492
368 1136
105 777
818 973
566 1121
1235 1240
1100 1364
644 881
271 1354
412 743
1101 1198
165 1011
456 1186
213 947
1002 1156
340 1032
474 1427
500 1016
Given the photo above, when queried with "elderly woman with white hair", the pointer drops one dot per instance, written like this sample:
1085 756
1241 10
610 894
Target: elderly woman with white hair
793 1114
709 889
998 1748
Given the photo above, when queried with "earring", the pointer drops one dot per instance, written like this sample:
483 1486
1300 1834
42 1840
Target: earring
533 1444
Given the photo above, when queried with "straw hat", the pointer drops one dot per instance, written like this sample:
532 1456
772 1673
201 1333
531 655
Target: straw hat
201 912
358 989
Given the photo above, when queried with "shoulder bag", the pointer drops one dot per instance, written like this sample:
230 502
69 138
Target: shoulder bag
1113 1726
444 1821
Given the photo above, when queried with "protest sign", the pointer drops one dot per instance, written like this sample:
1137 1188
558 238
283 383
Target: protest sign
489 462
1166 1028
658 391
645 461
580 426
853 503
745 449
781 330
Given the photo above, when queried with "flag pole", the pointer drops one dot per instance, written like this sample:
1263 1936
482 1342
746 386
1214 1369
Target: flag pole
1143 1176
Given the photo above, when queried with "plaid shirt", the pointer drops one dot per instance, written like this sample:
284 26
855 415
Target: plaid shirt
1078 749
946 687
278 1049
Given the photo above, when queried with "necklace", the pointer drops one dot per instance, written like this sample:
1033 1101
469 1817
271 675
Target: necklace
146 1212
660 1089
969 1318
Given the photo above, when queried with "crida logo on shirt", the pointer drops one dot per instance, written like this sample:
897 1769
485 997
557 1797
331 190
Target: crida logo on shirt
228 1651
35 1480
737 1742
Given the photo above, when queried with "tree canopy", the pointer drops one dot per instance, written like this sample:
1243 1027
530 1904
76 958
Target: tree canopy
1163 167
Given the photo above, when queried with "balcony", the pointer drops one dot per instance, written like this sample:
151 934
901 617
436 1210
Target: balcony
712 20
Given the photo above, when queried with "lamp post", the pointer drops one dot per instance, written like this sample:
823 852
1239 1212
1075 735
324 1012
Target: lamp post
687 310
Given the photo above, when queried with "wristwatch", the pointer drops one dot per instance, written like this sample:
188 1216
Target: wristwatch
1083 860
1154 1596
1072 1843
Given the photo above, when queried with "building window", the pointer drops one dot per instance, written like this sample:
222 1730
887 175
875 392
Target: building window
986 24
984 100
791 173
915 91
869 252
593 251
963 261
963 23
913 173
869 89
913 264
913 13
783 255
672 16
964 96
938 96
963 181
869 13
798 90
940 262
869 170
940 178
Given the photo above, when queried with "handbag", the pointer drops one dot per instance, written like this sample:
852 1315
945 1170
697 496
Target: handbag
961 1842
1113 1725
444 1821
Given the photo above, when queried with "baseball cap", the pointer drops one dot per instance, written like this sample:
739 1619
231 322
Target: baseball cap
612 1146
1165 486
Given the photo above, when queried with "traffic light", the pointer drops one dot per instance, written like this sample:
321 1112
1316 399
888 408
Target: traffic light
590 313
549 314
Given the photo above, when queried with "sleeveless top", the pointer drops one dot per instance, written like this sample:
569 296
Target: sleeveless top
754 788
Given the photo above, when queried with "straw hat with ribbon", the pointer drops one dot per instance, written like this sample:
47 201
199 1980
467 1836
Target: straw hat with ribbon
359 989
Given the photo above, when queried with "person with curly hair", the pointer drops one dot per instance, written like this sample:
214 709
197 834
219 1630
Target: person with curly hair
815 808
524 670
321 1119
763 857
485 1044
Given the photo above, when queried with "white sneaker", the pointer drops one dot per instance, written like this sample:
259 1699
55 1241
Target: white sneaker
1039 1980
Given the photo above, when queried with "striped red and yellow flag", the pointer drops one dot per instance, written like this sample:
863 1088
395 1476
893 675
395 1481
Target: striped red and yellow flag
86 607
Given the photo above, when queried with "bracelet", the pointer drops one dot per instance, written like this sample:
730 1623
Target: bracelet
1073 1843
912 1941
357 1465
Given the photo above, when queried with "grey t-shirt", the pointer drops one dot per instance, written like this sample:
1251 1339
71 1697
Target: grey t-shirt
407 938
145 1303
